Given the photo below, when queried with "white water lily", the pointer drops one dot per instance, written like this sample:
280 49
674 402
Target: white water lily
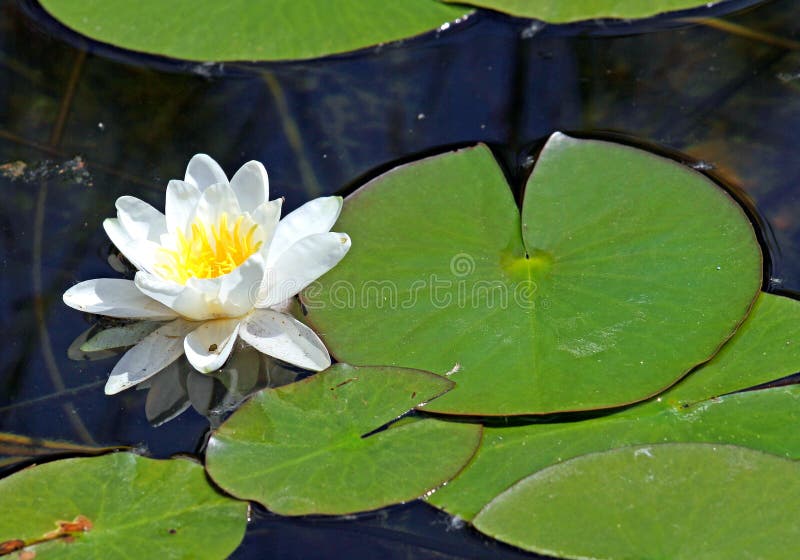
220 264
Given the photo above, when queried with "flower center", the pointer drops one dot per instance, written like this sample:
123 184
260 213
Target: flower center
208 251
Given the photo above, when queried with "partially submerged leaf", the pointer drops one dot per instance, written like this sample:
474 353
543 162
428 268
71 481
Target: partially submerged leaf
119 336
107 506
207 30
660 501
308 447
624 271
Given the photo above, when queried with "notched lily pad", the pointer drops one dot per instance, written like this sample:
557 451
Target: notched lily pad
105 507
309 447
624 271
207 30
765 347
659 501
576 10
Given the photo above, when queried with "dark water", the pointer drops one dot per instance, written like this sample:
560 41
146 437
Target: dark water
91 123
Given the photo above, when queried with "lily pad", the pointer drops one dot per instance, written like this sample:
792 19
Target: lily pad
107 506
207 30
625 271
308 447
660 501
576 10
768 420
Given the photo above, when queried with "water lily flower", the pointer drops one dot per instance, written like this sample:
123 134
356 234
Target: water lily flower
219 265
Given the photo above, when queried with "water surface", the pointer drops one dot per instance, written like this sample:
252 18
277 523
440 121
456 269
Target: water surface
81 124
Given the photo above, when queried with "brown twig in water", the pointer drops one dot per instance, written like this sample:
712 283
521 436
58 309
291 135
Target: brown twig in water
748 33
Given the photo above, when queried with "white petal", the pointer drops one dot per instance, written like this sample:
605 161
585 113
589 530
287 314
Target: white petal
209 345
115 297
217 200
182 199
203 171
301 264
140 220
141 253
284 337
315 216
267 217
187 301
239 289
120 238
251 185
155 352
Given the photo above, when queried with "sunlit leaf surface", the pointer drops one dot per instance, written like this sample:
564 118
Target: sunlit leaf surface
762 350
119 506
308 447
660 501
554 11
209 30
624 272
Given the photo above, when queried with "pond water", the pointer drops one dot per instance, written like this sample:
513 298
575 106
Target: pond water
81 124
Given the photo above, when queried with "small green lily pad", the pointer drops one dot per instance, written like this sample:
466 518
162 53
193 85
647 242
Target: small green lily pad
624 272
553 11
764 348
209 30
118 503
660 501
307 448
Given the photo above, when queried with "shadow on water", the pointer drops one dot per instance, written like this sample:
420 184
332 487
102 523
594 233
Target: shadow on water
81 124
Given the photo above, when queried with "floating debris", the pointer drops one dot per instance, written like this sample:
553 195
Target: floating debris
73 170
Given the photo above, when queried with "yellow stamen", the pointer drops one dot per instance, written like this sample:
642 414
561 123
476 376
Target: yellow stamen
209 251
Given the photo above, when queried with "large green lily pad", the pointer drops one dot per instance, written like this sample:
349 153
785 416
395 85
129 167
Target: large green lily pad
307 447
767 346
116 504
625 271
554 11
209 30
662 501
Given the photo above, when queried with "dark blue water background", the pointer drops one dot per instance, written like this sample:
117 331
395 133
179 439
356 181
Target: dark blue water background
91 123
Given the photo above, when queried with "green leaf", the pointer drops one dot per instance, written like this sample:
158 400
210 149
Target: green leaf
120 336
159 509
209 30
759 352
553 11
661 501
633 270
766 347
301 448
768 420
